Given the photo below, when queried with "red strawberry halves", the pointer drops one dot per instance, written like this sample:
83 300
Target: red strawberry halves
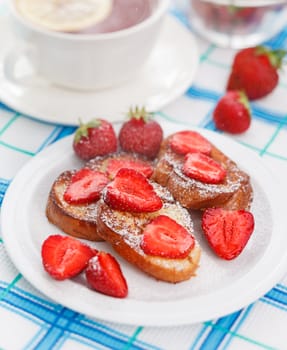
164 237
203 168
85 187
104 275
96 138
188 141
131 191
255 71
232 113
141 134
64 257
114 165
227 231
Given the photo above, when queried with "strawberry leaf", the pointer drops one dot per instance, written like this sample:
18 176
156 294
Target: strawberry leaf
244 100
275 56
139 113
82 130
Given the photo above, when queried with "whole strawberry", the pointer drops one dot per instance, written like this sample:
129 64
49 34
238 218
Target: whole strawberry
232 113
255 70
141 134
95 138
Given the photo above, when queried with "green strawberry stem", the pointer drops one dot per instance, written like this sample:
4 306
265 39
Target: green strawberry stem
139 113
244 100
275 56
82 130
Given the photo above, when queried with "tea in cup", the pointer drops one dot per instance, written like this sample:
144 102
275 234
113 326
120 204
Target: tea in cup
84 44
85 16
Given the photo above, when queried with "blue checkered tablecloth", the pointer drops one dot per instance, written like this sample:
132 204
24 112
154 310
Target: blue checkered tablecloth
28 320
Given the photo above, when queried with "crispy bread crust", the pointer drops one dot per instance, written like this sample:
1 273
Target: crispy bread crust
76 220
124 231
235 192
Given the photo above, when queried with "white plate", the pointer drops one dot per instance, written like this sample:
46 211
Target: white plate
168 73
220 286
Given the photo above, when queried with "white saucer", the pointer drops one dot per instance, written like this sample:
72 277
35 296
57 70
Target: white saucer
168 73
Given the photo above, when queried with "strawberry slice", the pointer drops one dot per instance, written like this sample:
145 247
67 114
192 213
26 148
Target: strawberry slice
188 141
64 257
114 165
85 187
203 168
164 237
227 231
131 191
104 275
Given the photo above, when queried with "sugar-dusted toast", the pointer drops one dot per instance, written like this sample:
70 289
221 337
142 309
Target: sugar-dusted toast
125 228
79 220
233 191
76 220
112 162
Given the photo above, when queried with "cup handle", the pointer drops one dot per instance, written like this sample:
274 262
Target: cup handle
12 59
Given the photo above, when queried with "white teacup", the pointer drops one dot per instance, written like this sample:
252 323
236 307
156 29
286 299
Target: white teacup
83 61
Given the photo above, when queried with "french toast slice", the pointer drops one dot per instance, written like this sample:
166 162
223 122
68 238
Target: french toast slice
76 220
131 160
124 231
234 192
80 220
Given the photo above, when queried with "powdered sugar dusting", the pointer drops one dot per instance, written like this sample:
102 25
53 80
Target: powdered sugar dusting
230 185
195 194
87 211
163 193
94 264
130 226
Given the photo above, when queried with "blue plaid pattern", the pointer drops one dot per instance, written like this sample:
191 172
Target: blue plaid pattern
39 323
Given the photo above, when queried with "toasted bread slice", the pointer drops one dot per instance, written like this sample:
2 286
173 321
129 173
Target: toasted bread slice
235 192
80 220
76 220
124 231
102 163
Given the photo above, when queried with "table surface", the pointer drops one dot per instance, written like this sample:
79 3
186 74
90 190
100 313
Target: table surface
41 324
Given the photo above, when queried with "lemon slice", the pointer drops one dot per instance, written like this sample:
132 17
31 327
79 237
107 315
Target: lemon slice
65 15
